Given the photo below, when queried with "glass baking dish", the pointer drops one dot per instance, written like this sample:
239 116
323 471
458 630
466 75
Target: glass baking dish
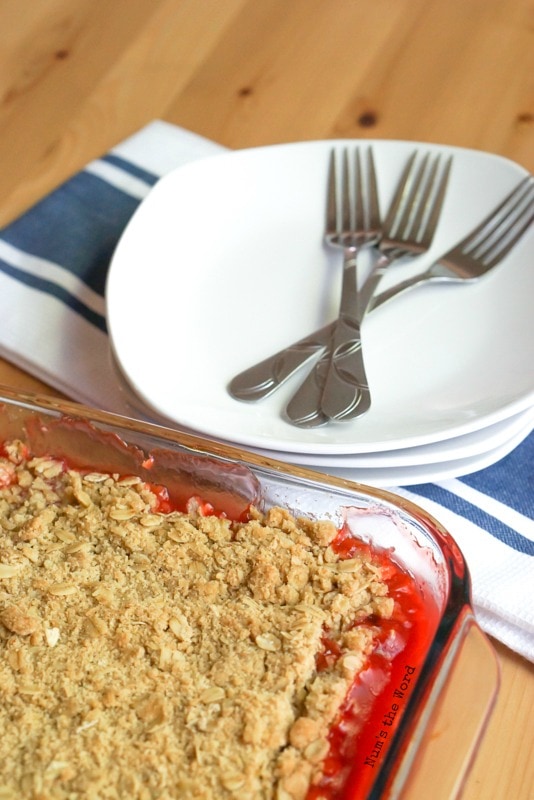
427 721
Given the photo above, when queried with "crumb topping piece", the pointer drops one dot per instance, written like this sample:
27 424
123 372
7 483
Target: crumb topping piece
167 655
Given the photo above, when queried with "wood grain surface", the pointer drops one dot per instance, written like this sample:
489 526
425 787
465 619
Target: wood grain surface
77 76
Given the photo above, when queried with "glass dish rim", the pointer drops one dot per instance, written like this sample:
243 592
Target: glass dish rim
456 617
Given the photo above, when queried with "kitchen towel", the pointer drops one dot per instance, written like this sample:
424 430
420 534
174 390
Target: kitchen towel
53 266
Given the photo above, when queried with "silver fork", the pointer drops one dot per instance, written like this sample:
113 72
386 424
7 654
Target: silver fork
337 386
352 222
480 250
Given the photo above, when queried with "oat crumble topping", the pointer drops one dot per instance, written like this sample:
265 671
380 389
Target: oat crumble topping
166 655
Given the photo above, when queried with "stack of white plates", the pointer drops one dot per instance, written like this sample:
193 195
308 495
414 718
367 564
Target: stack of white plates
224 264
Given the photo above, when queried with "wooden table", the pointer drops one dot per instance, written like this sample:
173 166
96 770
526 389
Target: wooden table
77 76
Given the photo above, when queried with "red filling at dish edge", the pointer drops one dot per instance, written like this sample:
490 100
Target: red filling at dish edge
374 706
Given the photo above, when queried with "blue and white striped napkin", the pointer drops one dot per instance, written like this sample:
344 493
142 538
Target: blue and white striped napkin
53 265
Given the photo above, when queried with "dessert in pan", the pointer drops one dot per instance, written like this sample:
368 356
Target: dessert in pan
179 618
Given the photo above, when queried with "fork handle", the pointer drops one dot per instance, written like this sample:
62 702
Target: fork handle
262 379
304 408
346 390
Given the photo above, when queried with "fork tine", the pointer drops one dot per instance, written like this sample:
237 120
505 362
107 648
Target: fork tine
416 210
495 218
358 215
346 217
398 197
331 196
505 248
373 210
404 227
500 248
434 213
